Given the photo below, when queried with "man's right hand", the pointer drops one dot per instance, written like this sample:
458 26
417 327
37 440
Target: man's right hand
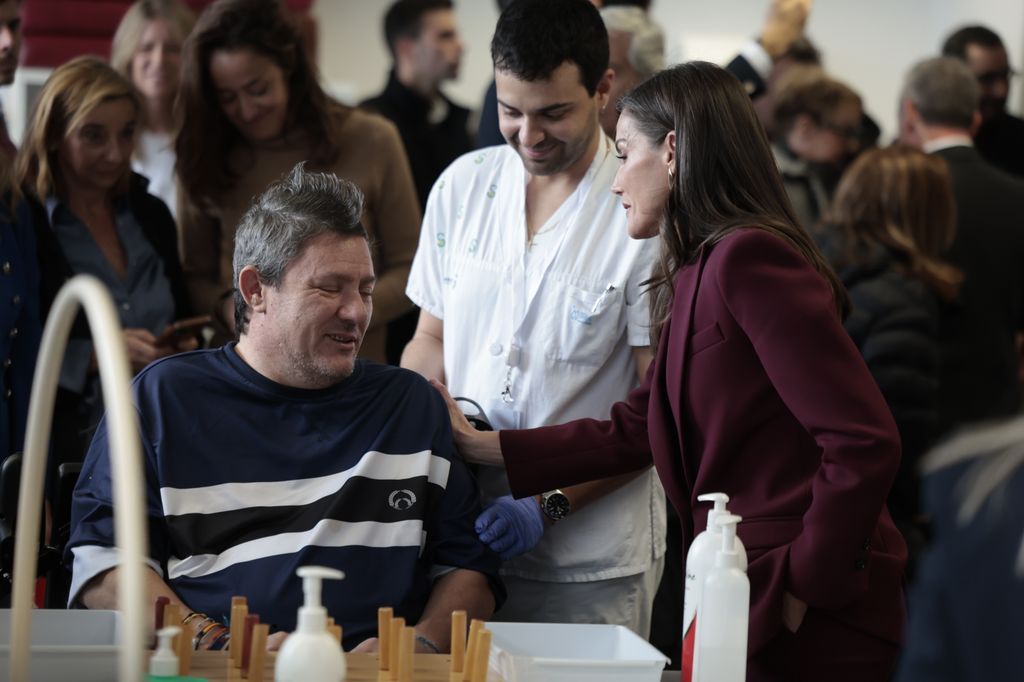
783 25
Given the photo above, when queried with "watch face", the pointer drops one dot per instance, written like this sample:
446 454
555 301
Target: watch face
556 505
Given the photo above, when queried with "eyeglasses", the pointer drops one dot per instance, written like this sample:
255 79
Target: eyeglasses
991 78
849 132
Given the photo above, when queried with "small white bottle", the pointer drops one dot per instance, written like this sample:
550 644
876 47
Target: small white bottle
163 664
311 654
721 649
700 559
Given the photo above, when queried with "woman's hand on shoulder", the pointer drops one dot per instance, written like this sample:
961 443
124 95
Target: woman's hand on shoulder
477 447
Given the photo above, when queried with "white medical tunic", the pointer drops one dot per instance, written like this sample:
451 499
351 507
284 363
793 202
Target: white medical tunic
541 334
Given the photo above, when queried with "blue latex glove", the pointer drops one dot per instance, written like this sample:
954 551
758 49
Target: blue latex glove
511 527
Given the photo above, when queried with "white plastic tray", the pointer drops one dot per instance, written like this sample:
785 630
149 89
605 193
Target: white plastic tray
67 645
556 652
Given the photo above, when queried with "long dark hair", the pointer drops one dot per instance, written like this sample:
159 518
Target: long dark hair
725 174
207 137
902 199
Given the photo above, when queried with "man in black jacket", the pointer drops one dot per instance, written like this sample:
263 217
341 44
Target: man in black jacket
425 46
979 377
1000 139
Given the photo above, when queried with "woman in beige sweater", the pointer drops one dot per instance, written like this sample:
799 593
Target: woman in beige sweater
252 109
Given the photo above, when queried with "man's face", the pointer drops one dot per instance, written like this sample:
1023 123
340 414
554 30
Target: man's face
626 77
992 69
549 123
438 50
10 39
315 319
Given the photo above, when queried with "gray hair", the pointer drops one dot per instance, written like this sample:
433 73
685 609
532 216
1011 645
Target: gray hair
647 48
944 91
274 231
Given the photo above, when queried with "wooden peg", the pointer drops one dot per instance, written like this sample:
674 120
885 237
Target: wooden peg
239 601
234 674
406 651
335 631
258 655
250 622
474 633
184 649
396 634
458 641
172 616
483 655
384 616
238 613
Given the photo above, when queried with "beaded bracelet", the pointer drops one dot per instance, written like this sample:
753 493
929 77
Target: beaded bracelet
205 622
221 642
197 641
427 643
194 614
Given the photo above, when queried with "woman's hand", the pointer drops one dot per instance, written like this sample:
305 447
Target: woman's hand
793 612
478 447
142 348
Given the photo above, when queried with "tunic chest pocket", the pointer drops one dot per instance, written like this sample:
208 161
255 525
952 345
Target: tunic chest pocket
585 325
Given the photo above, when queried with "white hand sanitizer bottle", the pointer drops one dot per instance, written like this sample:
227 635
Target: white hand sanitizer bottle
721 649
700 559
163 664
311 654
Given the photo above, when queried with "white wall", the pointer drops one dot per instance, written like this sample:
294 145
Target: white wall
868 43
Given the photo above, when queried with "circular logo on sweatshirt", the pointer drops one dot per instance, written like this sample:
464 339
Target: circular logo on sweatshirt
401 499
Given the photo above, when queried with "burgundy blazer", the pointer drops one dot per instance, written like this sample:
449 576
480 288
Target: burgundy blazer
756 391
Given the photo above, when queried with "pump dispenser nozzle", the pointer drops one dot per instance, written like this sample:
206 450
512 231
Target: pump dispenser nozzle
720 500
310 654
164 662
728 556
313 615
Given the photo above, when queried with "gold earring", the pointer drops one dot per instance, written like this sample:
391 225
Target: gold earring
671 173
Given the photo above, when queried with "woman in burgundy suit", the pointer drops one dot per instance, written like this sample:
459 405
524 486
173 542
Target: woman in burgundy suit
756 389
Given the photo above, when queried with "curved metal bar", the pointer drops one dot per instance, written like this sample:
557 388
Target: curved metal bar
126 469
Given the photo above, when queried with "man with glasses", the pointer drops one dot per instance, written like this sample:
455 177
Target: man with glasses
1000 139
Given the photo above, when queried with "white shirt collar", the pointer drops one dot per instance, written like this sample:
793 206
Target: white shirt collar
947 141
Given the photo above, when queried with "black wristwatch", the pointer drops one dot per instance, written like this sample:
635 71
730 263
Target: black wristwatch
555 505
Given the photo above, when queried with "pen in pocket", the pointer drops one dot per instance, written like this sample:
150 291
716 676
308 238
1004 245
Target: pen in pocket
600 299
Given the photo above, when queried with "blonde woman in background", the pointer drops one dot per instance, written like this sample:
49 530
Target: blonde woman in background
147 51
93 215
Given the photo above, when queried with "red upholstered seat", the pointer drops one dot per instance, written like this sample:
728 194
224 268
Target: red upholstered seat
57 30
